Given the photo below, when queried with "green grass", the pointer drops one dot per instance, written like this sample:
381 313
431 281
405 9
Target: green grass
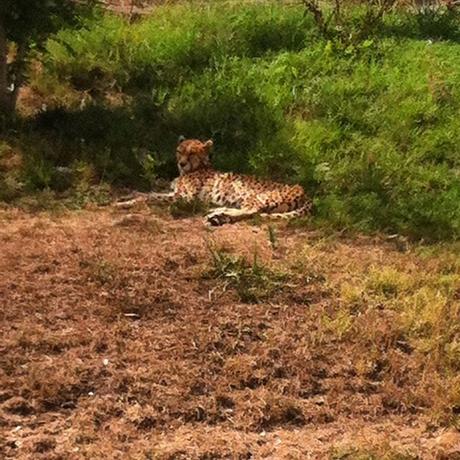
371 131
253 280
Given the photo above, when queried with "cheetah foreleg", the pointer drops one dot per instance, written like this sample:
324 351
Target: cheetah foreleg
221 216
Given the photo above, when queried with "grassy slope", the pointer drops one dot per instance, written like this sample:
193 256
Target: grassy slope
371 132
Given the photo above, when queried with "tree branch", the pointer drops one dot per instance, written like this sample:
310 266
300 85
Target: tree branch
313 7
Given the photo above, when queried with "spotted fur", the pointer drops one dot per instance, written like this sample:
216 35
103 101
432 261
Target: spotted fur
238 196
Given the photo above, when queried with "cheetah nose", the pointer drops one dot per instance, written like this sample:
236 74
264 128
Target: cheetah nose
183 164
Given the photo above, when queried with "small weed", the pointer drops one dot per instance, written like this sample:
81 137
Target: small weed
424 315
352 293
254 282
388 282
98 195
11 185
282 412
339 324
42 200
99 270
272 237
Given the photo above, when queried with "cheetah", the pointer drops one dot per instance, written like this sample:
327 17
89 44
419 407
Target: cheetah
238 196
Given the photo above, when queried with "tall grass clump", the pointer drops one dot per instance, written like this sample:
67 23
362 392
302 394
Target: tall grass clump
253 280
371 130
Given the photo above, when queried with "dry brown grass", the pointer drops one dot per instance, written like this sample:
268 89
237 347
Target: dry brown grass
118 343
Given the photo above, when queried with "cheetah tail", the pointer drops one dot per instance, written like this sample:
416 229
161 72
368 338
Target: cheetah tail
130 201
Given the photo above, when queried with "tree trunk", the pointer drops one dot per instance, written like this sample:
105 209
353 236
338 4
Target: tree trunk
6 106
18 74
8 93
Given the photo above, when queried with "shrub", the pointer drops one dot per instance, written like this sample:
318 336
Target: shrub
348 23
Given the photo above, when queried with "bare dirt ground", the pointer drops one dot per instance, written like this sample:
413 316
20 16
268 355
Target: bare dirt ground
121 340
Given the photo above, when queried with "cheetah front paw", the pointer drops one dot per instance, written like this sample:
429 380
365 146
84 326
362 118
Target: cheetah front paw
217 218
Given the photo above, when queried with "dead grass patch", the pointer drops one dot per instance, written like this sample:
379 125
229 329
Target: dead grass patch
112 344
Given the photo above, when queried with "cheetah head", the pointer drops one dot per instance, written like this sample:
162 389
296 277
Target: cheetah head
192 155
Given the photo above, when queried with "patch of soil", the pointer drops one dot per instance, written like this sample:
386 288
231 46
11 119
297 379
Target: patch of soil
114 345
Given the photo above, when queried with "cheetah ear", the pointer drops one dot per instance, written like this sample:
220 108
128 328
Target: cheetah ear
209 144
181 139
